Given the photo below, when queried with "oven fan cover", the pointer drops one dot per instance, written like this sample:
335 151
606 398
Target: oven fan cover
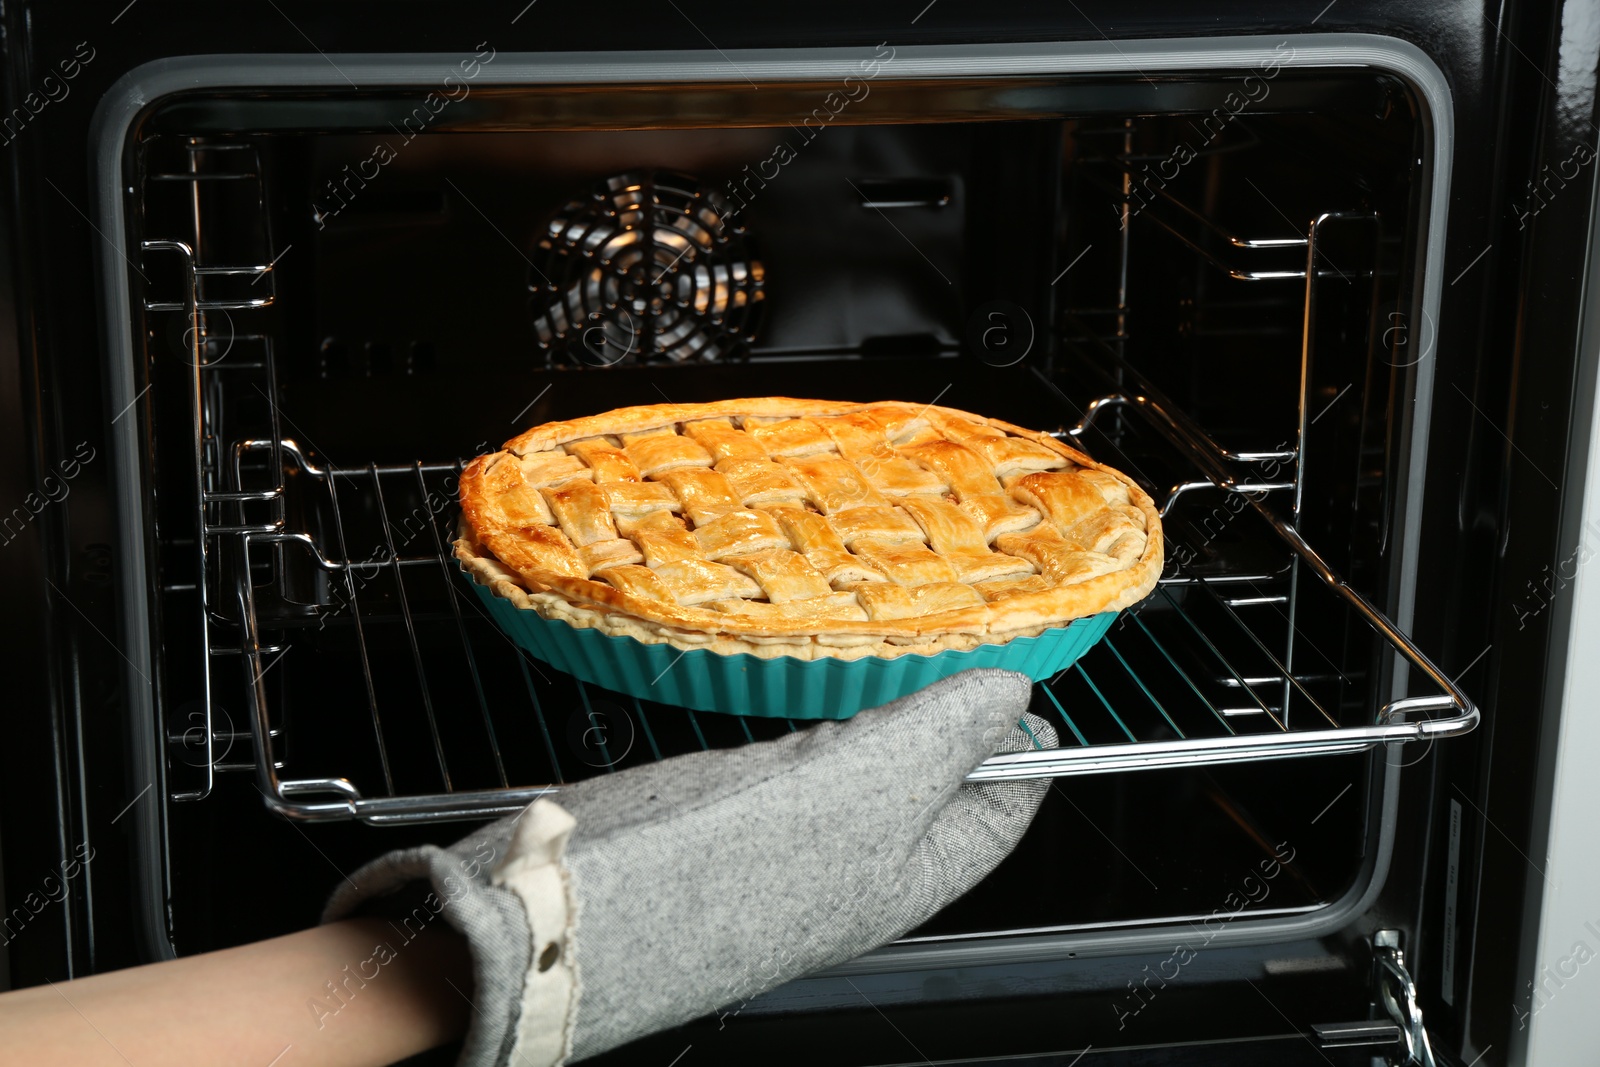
648 267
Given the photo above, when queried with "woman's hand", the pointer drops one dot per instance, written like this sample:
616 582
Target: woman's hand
294 1001
636 901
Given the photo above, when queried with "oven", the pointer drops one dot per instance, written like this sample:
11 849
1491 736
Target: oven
1316 283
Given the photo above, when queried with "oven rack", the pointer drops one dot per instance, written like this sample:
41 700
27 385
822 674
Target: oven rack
1184 678
439 717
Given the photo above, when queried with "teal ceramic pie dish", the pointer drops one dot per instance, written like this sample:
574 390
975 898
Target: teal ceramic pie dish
801 559
776 687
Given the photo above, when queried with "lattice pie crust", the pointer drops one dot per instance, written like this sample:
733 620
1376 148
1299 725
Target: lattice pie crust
805 528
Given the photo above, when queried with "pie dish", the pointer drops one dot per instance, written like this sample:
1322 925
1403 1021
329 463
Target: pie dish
804 530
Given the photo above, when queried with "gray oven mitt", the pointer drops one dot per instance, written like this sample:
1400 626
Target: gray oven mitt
640 900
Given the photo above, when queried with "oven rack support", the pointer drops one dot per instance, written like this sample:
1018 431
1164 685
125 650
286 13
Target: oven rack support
1202 234
1110 358
202 366
1179 626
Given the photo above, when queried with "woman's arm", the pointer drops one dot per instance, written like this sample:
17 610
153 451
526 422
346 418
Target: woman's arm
349 993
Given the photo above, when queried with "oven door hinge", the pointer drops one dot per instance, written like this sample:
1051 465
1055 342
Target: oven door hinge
1397 994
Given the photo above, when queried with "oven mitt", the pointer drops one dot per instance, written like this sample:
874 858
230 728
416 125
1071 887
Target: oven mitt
640 900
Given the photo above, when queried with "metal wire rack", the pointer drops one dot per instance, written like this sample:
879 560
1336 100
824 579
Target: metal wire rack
451 720
377 689
441 717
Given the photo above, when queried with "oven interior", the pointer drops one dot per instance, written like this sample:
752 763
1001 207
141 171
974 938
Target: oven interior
343 302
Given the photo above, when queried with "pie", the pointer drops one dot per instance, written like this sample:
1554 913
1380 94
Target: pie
806 528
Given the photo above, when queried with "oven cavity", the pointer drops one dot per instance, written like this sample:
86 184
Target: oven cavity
1218 302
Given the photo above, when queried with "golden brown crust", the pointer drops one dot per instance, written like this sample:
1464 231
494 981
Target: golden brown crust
1094 539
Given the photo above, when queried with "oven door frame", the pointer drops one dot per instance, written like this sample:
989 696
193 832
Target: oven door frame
137 93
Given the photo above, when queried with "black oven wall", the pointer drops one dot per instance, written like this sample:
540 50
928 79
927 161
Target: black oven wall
37 929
